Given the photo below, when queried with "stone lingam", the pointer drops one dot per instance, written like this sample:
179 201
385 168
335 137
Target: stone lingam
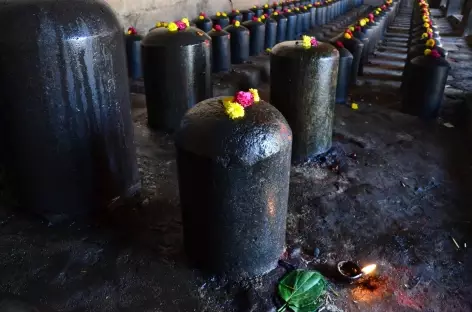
233 160
133 53
309 69
66 128
177 72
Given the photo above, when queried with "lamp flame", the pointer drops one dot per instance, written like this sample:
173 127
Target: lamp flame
369 269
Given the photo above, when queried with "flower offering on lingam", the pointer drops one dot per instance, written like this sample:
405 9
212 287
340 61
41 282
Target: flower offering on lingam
132 31
432 52
178 25
308 42
235 106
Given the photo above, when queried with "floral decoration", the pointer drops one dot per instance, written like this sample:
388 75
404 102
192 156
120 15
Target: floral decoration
256 19
347 35
178 25
430 43
186 21
236 23
132 31
217 28
432 53
234 106
339 44
218 13
362 22
308 42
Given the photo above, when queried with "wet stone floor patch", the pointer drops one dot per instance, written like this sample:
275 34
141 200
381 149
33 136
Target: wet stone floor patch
393 191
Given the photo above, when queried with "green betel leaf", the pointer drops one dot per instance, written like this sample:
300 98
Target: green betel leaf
302 290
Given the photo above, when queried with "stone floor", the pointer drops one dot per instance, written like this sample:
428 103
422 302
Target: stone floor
394 191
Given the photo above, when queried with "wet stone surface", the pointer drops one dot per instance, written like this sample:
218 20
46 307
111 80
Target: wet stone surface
392 190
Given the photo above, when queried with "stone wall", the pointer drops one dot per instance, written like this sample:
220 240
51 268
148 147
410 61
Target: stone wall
143 14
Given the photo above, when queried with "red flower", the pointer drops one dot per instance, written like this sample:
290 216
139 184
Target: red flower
314 42
435 54
255 18
357 28
202 14
180 25
245 99
339 44
218 28
132 31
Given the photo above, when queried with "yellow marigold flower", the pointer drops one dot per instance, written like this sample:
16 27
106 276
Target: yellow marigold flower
237 11
224 14
268 50
289 10
362 22
347 36
424 35
351 28
185 21
354 106
306 42
165 24
430 43
366 20
427 52
261 18
254 7
429 30
426 25
255 94
201 17
172 27
218 13
266 5
158 24
237 23
233 110
276 13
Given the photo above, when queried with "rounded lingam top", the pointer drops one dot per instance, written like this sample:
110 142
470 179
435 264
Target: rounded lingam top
207 131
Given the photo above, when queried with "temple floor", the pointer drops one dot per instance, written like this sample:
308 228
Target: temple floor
394 191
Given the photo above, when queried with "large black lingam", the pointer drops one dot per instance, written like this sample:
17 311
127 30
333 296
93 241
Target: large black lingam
133 53
291 24
270 33
220 18
257 38
299 24
303 88
234 180
312 11
257 11
320 14
221 50
235 15
65 116
247 15
239 43
356 47
281 31
177 73
427 79
203 22
344 73
358 34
